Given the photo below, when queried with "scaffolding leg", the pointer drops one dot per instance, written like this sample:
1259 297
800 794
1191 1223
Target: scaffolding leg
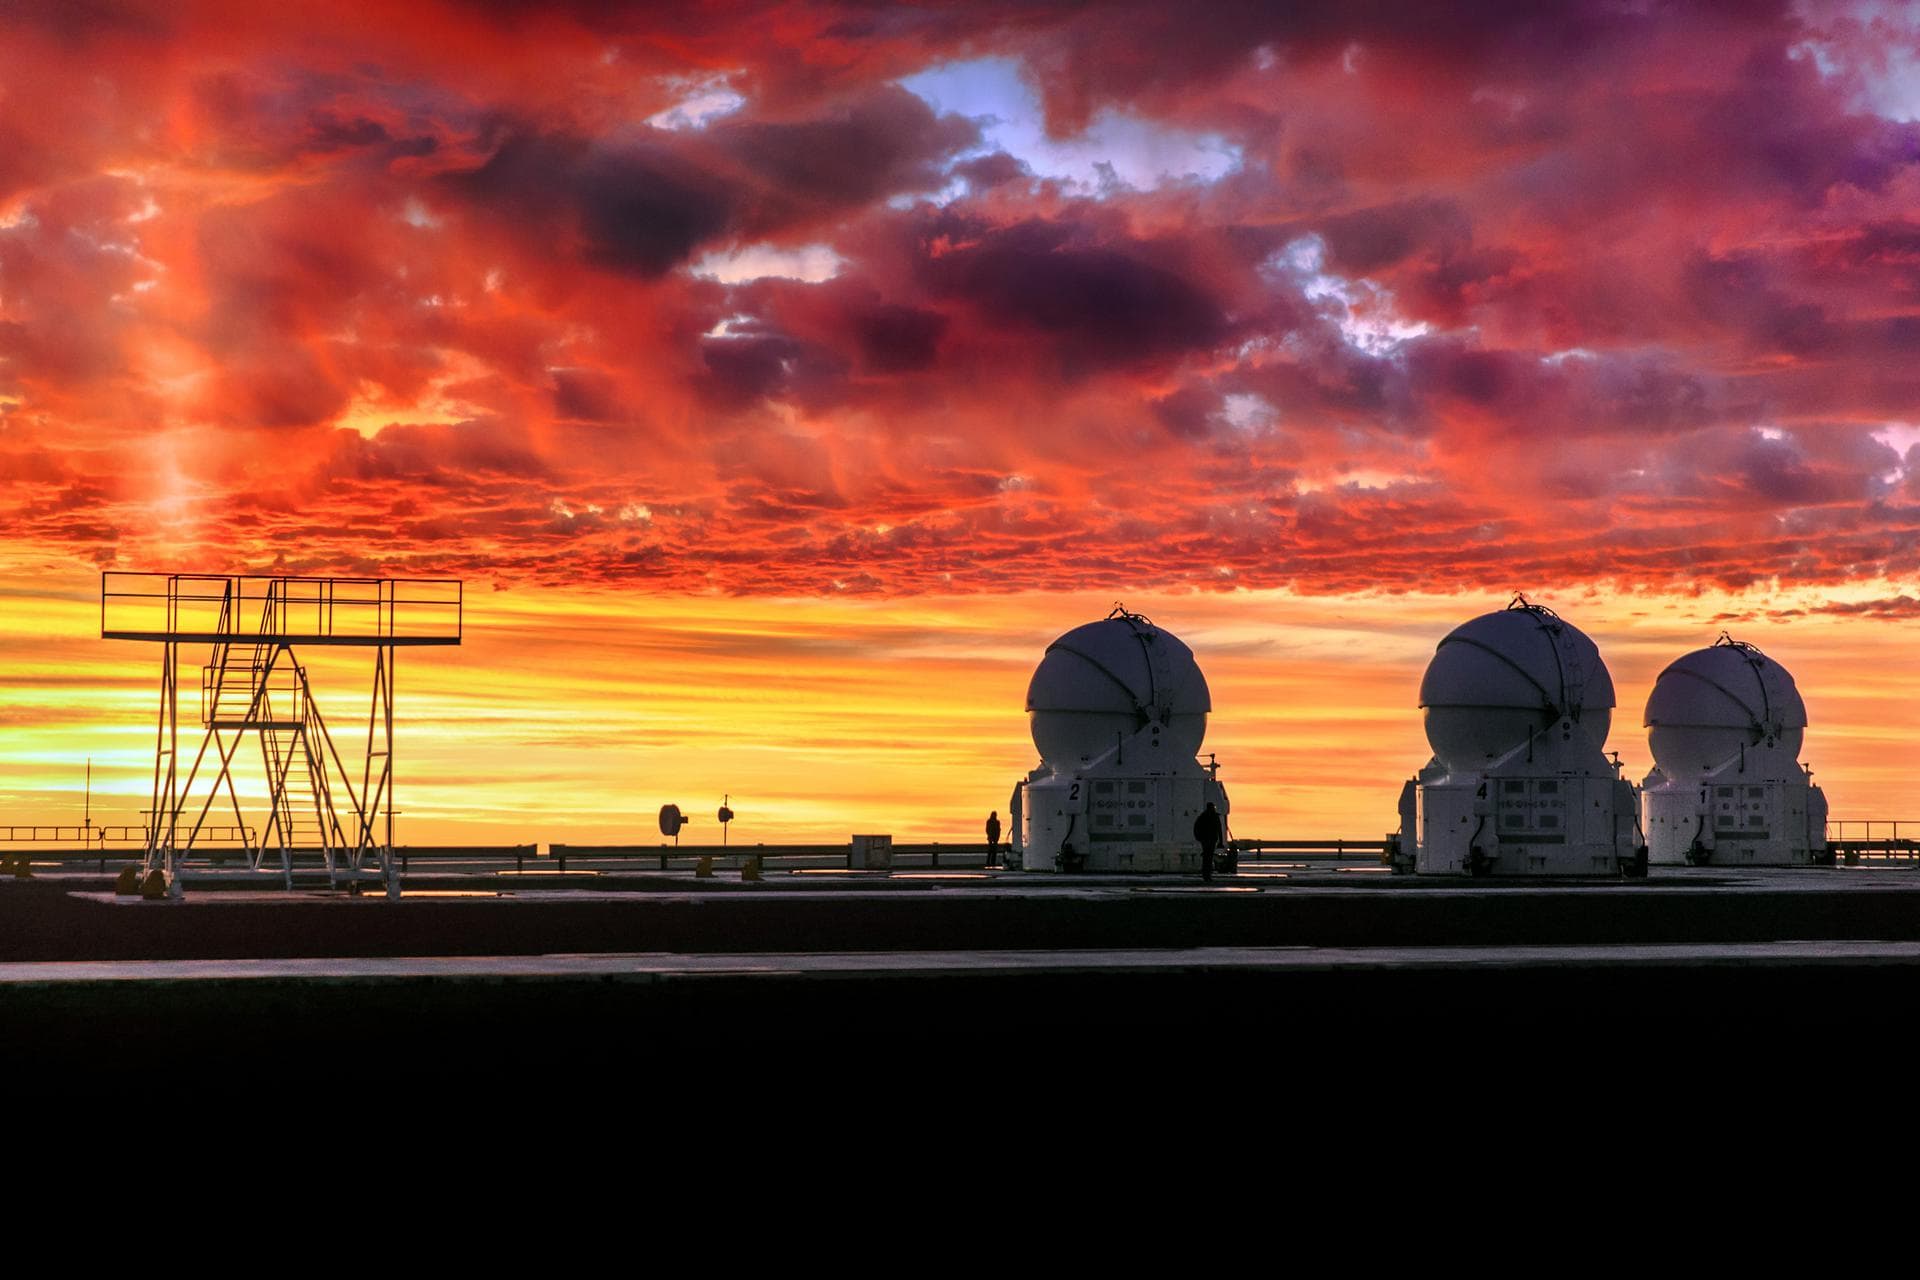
164 815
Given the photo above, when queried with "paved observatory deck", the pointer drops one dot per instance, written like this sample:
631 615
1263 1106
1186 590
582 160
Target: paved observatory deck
617 970
666 966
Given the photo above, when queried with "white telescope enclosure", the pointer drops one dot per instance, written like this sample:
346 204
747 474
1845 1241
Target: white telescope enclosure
1118 710
1725 724
1517 705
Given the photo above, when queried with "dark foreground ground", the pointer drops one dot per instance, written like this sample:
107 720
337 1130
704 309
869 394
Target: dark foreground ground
922 977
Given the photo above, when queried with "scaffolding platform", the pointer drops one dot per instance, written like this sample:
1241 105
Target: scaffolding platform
254 686
234 609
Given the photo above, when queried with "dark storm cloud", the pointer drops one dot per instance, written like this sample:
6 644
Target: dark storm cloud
442 456
639 209
899 339
1188 411
884 142
647 203
1365 241
995 169
588 395
81 22
1100 304
329 131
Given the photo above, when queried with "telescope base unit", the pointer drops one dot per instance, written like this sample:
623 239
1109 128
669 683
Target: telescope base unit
1109 817
1744 823
1521 825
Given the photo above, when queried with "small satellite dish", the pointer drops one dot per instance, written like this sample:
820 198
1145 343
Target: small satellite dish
671 820
725 815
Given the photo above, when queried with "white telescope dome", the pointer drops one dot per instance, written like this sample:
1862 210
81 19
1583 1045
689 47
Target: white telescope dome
1714 702
1503 677
1104 682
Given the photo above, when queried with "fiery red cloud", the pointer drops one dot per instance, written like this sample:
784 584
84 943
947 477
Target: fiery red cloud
1542 293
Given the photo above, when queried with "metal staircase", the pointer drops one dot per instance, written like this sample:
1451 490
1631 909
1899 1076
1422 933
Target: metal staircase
261 688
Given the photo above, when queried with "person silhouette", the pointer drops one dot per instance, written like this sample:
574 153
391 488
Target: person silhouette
1206 829
993 837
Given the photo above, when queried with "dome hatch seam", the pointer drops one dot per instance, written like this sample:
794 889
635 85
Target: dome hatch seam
1157 707
1139 708
1545 694
1754 723
1572 679
1756 662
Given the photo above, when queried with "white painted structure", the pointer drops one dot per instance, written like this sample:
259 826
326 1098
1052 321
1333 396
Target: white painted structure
1517 706
1118 711
1725 724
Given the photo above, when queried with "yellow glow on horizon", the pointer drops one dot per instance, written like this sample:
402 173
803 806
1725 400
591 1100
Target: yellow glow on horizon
573 715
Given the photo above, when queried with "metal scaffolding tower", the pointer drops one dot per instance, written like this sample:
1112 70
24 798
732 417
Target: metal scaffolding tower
254 685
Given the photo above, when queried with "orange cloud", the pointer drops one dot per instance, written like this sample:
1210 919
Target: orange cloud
1565 294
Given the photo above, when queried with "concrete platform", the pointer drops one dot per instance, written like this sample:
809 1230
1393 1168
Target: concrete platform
663 967
623 973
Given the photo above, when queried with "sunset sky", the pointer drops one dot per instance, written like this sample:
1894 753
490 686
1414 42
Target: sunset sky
781 378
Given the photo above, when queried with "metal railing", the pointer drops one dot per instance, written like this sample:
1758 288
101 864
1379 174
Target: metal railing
79 834
91 841
1850 829
89 835
1335 848
1855 838
957 855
